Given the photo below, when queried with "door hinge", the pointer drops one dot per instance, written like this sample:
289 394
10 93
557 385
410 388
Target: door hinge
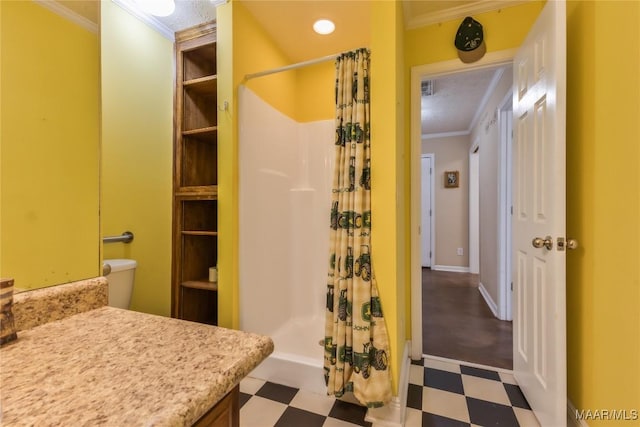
511 210
430 212
512 286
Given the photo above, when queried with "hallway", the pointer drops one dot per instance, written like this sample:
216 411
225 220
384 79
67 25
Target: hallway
458 324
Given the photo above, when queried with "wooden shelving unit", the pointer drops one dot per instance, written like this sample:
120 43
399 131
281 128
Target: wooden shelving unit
195 183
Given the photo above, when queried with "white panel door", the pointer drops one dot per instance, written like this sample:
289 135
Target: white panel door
539 313
427 209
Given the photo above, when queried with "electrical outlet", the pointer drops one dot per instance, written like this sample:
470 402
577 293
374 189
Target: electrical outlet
460 252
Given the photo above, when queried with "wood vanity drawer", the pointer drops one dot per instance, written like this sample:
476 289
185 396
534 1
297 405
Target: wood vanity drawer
225 413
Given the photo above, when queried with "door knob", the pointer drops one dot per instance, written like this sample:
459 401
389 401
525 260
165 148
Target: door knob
539 242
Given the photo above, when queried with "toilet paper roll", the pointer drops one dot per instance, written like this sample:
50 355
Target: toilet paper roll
213 274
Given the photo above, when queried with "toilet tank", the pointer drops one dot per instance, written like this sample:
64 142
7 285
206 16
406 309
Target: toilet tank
121 280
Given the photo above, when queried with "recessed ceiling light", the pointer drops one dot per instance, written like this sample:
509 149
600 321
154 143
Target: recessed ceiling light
157 7
324 26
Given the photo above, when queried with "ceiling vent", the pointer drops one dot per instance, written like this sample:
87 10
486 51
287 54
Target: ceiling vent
427 87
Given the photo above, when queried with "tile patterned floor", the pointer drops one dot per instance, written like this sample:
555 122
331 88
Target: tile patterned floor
441 394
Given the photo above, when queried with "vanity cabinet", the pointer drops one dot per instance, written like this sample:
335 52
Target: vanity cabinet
73 326
195 176
224 414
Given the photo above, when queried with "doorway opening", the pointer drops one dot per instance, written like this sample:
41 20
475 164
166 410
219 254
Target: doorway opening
457 260
539 209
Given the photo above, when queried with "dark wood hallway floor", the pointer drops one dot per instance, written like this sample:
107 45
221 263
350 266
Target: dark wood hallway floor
458 324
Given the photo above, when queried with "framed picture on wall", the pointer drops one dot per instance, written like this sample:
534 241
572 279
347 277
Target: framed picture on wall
451 179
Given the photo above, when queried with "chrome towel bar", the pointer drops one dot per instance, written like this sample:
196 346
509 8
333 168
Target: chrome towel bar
126 237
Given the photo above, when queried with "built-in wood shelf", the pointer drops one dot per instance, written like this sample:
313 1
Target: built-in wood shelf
195 176
206 85
204 192
201 284
199 233
209 131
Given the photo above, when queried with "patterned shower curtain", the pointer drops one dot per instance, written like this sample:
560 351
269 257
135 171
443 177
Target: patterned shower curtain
356 344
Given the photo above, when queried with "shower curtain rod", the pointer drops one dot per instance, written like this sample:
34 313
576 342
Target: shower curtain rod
291 67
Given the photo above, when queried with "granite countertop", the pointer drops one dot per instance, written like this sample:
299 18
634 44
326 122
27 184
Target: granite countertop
116 367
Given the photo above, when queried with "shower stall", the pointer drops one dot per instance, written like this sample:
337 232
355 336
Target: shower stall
285 177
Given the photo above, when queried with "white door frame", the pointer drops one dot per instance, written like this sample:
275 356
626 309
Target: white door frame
418 73
474 207
432 205
505 119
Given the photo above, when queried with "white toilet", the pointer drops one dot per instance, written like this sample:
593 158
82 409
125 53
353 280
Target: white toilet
121 281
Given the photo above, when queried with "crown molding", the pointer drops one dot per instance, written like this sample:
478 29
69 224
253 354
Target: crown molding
132 8
485 98
458 12
197 31
68 14
445 134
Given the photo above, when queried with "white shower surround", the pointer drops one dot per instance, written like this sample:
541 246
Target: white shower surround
285 177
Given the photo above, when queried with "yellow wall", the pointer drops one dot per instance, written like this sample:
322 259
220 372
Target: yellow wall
603 210
388 201
255 51
137 152
50 144
315 92
1 271
503 29
228 315
289 92
228 288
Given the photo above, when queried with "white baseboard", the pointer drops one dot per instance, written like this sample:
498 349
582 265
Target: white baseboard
487 298
462 362
572 419
392 414
451 268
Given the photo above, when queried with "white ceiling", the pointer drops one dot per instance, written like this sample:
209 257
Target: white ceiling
456 101
457 98
189 13
299 42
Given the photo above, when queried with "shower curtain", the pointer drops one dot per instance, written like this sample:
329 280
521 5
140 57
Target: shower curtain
356 344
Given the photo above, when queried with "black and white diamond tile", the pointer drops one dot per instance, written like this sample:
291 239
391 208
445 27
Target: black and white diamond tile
441 394
265 404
